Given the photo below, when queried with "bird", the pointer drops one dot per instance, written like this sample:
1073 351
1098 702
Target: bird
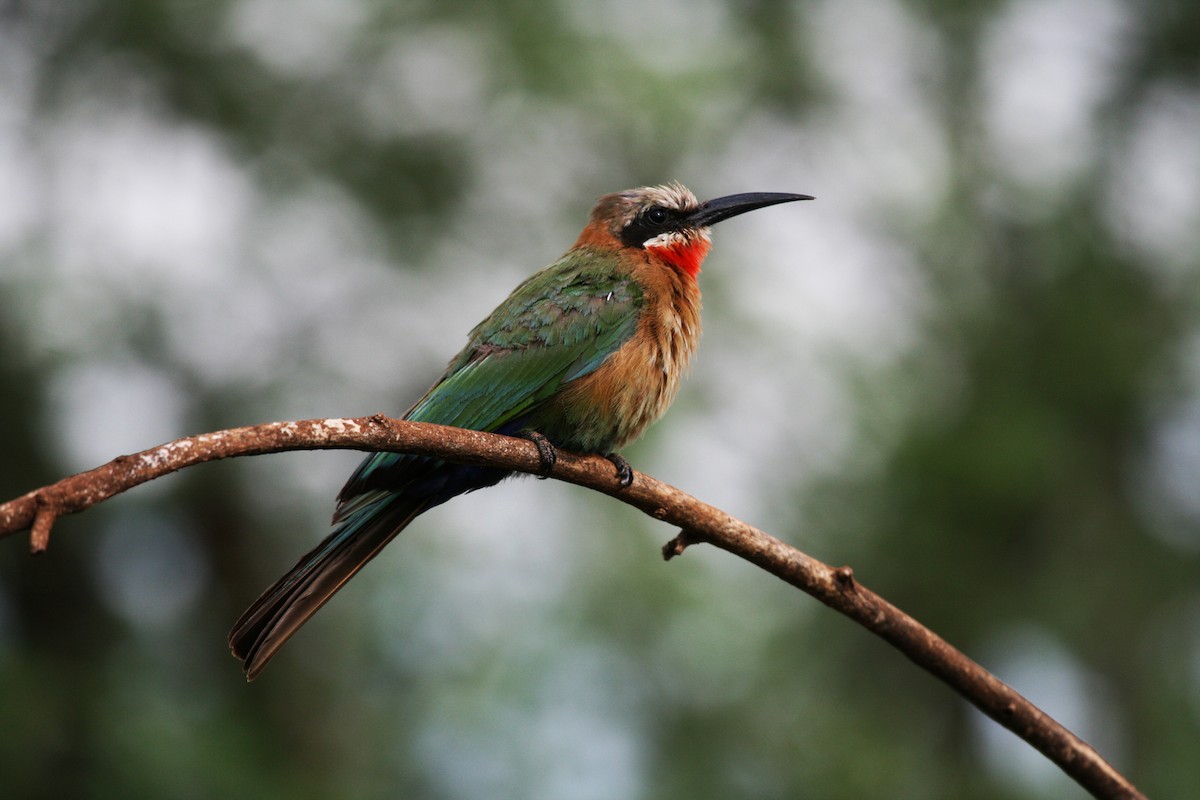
583 355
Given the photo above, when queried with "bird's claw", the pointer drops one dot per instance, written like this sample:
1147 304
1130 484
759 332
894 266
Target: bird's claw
624 471
547 455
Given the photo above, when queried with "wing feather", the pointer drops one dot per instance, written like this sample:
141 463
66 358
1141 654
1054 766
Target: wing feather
556 327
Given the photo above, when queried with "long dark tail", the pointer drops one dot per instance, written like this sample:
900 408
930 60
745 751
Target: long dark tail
295 597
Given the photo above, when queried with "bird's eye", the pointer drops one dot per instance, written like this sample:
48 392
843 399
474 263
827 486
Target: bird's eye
657 215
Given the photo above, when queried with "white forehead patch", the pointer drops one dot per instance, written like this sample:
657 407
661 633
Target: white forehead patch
671 195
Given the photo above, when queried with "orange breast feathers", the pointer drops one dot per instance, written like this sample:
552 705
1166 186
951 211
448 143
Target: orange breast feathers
636 384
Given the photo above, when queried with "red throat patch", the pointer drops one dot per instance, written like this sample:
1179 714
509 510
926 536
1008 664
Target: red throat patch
686 256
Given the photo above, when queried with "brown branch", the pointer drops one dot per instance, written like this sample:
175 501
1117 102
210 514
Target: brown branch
698 523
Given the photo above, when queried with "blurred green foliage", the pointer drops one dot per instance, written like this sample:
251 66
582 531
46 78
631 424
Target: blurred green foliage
970 371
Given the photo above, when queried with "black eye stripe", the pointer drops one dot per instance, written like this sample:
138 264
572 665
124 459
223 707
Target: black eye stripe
650 223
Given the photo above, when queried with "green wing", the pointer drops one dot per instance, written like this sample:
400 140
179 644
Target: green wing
557 326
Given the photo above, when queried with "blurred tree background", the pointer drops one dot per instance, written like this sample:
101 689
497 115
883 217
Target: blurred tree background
970 369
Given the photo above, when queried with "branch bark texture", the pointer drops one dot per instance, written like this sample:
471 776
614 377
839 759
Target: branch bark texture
698 522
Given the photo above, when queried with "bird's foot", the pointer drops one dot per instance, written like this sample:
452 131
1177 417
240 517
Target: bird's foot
624 471
547 455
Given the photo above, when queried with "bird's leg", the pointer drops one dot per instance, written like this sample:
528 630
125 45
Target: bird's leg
546 452
624 471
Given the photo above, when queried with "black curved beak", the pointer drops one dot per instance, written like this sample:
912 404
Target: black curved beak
713 211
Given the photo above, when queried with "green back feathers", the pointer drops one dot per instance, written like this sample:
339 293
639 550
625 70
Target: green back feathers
559 325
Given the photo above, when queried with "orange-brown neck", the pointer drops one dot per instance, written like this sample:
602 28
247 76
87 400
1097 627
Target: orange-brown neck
596 234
